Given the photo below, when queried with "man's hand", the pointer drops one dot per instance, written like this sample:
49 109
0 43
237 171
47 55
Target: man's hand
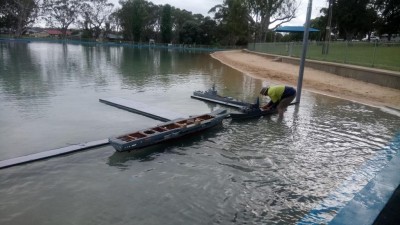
266 107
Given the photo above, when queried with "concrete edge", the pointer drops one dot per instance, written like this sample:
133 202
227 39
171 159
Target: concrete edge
367 204
354 203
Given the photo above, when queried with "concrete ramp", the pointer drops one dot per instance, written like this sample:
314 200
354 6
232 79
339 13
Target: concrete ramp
142 109
51 153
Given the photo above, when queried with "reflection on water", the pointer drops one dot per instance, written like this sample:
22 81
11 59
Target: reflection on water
259 171
123 160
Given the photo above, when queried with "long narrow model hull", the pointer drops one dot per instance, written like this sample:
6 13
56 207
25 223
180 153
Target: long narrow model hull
167 131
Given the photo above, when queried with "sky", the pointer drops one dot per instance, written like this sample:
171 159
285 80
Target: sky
203 6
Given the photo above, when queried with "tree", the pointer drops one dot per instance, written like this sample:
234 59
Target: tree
318 23
133 16
61 13
179 17
19 14
190 32
139 15
233 18
95 14
271 12
152 21
389 11
260 14
347 14
371 21
166 24
7 21
209 27
113 23
237 20
125 19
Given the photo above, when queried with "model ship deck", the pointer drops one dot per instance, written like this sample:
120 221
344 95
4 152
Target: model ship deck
211 95
167 131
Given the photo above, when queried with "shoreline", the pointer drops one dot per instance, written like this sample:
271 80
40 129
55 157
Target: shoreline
314 80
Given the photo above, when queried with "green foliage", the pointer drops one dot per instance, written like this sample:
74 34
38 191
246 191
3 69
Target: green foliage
179 18
95 14
151 22
348 14
132 16
233 17
389 11
86 34
18 14
210 29
138 19
190 32
319 23
139 14
8 21
293 37
235 22
270 12
236 18
61 13
166 24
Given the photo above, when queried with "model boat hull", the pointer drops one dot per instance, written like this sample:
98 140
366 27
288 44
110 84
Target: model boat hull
255 113
211 95
167 131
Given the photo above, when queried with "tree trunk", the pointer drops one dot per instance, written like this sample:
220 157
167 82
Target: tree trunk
20 28
64 32
265 20
349 35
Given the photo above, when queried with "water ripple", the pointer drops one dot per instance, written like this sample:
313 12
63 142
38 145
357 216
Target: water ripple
262 171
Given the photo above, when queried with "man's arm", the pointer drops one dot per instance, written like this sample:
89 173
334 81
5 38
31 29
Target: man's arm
269 106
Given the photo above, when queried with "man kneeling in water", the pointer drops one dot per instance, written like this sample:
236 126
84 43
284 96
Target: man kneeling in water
281 96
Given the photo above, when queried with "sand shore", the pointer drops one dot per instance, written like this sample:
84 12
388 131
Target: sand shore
314 80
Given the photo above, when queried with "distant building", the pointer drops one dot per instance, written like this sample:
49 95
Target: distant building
114 37
40 34
36 32
56 33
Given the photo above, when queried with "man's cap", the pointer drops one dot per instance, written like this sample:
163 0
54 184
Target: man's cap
264 90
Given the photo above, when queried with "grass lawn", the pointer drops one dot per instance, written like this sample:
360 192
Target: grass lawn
377 55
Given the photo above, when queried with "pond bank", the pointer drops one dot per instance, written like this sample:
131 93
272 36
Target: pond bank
314 80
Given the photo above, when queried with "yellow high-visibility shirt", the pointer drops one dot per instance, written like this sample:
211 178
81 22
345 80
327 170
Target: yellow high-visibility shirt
275 92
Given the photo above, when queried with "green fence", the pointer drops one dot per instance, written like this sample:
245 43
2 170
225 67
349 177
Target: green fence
209 48
383 55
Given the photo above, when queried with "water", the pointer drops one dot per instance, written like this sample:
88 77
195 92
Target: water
260 171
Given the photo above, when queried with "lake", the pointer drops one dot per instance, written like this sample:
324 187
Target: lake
260 171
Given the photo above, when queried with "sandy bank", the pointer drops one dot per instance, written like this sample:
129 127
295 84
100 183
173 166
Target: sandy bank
314 80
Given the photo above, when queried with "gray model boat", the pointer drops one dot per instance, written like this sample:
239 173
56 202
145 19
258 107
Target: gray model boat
211 95
167 131
247 110
252 111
